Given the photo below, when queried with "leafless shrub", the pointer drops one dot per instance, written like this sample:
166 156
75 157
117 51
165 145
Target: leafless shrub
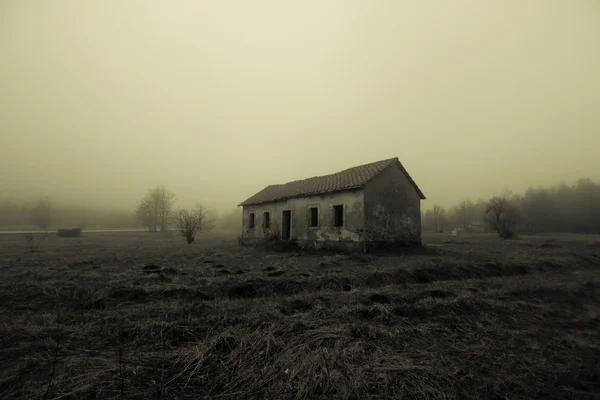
501 215
191 221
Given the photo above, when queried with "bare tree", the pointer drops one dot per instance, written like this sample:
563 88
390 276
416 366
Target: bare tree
147 214
465 212
191 221
439 216
166 202
156 209
41 214
501 215
435 212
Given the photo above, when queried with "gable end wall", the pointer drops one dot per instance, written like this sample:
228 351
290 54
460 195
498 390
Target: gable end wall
392 208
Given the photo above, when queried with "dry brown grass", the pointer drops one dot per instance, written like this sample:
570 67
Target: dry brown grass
140 315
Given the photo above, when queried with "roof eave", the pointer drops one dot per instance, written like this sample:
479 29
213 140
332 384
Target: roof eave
411 180
254 203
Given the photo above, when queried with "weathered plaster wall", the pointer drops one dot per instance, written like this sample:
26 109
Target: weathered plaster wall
392 208
300 229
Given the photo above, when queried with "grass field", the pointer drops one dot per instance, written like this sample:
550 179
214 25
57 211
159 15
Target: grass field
141 316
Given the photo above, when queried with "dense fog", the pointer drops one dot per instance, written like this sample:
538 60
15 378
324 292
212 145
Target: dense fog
102 101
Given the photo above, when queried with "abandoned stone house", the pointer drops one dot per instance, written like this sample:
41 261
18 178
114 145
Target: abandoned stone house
357 209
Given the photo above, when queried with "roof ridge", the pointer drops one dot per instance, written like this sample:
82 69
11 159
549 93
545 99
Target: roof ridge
348 179
339 172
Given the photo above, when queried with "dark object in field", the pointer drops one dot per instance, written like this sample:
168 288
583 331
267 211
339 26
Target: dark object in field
380 298
75 232
151 267
224 272
269 269
276 273
347 287
305 275
242 291
239 272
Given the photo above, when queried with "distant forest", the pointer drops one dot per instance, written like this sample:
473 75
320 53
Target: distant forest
562 208
43 213
19 215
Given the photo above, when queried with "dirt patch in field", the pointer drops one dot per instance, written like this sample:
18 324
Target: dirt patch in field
242 291
296 306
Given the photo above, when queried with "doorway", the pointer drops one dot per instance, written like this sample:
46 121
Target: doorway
286 225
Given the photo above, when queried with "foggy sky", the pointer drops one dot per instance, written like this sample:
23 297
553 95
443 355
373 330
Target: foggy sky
101 100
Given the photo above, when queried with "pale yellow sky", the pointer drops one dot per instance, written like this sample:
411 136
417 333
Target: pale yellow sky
100 100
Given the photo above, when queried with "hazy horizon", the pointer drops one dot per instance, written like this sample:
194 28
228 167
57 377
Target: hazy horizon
101 101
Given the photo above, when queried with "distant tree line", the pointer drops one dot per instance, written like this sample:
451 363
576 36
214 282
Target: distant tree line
562 208
43 213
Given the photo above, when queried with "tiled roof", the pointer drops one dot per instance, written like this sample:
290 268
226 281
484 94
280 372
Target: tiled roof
352 178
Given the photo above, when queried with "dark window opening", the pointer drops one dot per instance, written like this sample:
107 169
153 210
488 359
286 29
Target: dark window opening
266 220
314 216
251 221
338 215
